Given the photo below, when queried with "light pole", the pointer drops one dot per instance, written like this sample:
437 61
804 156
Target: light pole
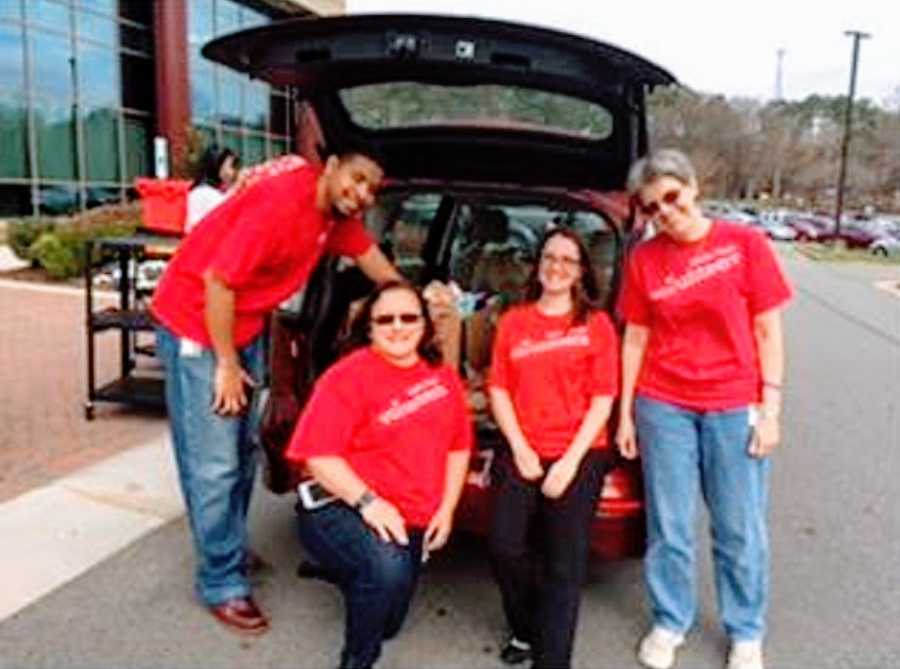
848 122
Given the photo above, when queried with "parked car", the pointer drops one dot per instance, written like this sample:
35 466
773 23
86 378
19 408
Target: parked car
489 131
778 231
855 234
808 227
885 246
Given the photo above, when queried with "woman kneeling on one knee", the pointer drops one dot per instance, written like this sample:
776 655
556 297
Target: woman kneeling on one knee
702 364
554 374
386 432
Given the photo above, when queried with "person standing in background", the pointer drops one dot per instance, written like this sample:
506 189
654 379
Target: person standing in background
219 173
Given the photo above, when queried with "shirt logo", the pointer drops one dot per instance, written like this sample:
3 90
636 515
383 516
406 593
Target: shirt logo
552 341
701 268
414 399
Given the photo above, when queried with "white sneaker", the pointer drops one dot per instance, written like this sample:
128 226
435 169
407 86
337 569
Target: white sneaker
657 649
745 655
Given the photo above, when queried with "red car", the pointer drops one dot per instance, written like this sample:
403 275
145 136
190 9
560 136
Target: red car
489 132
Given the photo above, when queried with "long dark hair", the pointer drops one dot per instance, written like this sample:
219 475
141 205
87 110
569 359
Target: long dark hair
585 295
360 328
211 164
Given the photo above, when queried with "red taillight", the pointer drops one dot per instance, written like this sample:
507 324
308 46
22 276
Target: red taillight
622 492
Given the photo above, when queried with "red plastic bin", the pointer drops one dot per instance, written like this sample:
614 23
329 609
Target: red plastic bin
163 204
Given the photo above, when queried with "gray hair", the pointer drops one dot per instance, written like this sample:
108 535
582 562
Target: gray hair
663 163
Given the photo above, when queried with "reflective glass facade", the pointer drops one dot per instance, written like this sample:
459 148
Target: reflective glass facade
78 102
249 117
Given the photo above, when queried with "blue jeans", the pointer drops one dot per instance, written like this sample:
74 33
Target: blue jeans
684 451
216 458
377 578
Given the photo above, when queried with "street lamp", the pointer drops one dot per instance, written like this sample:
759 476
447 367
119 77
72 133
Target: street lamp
857 35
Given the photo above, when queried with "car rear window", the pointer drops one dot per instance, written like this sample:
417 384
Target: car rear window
495 245
409 104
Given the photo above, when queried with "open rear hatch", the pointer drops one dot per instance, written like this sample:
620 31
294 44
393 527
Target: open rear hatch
456 98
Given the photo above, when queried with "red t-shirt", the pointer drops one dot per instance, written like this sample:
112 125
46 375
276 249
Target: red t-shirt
551 369
393 425
263 242
699 300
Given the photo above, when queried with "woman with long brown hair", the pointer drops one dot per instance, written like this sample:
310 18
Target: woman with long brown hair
554 374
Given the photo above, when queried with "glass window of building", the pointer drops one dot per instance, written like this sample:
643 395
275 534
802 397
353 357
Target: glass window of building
78 99
76 102
229 109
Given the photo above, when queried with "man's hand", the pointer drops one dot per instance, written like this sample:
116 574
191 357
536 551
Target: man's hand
383 517
441 301
439 528
229 398
559 477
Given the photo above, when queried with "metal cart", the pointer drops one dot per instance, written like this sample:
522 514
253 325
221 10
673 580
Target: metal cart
139 385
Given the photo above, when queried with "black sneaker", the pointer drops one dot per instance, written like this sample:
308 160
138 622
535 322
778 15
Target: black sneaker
515 651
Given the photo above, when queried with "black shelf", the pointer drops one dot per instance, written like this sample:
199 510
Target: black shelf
138 320
142 390
128 319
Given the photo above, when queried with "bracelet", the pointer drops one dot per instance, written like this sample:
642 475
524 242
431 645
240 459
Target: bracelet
364 500
773 385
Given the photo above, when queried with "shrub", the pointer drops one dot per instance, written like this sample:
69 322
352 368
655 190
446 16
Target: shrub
61 251
55 256
21 235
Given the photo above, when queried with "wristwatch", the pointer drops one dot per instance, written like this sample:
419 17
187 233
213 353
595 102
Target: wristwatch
364 500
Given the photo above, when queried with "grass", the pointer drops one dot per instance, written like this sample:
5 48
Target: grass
840 253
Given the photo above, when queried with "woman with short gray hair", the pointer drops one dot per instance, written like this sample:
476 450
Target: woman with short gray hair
702 370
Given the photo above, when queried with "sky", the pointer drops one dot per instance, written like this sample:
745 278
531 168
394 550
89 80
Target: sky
719 46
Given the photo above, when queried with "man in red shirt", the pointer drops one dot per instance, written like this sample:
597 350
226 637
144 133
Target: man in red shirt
242 260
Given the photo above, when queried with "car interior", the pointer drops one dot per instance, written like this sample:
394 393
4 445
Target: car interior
484 243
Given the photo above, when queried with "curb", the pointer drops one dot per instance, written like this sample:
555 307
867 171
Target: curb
67 527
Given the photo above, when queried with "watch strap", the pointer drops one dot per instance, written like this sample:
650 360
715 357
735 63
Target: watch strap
364 500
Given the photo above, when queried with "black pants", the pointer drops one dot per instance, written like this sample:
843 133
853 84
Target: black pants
539 551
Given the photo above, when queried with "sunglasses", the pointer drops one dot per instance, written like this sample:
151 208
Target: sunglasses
669 198
407 318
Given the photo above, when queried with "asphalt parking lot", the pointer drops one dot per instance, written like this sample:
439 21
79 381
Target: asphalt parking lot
835 537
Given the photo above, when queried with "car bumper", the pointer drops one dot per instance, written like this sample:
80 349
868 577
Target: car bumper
618 531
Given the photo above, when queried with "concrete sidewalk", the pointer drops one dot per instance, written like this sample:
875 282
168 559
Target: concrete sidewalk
63 529
72 492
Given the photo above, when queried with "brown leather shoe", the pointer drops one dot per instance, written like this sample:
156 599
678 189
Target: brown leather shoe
241 615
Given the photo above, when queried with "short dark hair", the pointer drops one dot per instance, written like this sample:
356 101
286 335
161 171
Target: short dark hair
585 294
359 335
350 148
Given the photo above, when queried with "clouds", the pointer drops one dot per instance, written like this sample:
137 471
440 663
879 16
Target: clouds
719 47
